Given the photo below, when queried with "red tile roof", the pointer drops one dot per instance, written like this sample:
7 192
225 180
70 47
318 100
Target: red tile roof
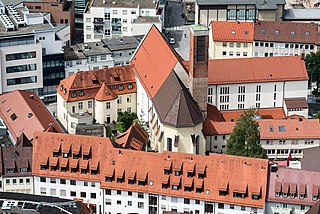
90 82
299 102
149 168
232 31
287 180
264 113
260 69
265 31
30 112
154 60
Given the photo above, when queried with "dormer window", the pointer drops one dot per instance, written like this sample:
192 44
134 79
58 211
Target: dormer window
131 181
175 187
263 31
292 33
177 173
301 196
284 194
292 195
108 179
10 170
238 195
94 172
141 183
63 169
167 171
255 197
65 155
307 33
130 86
278 194
55 154
53 168
314 197
81 93
201 175
65 91
187 189
190 174
73 94
43 167
282 128
119 180
120 87
23 169
165 186
74 170
61 87
199 190
86 157
76 156
223 192
276 32
84 171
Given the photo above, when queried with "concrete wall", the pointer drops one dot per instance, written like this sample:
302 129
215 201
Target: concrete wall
18 184
216 50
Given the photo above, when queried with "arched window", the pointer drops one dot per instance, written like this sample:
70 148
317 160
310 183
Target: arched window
198 145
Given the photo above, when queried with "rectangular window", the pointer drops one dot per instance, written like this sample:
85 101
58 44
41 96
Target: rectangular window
21 68
63 192
114 12
73 194
140 205
200 48
108 105
80 105
24 55
90 104
23 80
83 194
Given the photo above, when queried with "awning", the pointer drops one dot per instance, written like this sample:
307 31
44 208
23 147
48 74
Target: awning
293 188
93 164
302 189
109 172
223 185
56 146
167 164
175 180
165 179
84 164
176 140
64 162
277 187
188 182
66 147
142 175
76 148
54 161
198 183
131 174
86 149
74 163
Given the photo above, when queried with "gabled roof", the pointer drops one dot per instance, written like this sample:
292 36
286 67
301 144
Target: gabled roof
17 158
260 69
105 93
175 105
153 61
134 138
315 209
232 31
24 112
89 83
292 32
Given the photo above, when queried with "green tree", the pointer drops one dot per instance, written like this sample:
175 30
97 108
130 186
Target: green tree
312 61
125 120
245 136
292 211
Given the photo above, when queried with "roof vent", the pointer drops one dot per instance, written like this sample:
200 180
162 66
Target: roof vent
274 168
300 119
114 2
31 96
121 40
232 120
30 114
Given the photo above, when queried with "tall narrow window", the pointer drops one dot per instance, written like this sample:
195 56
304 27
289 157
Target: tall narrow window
200 56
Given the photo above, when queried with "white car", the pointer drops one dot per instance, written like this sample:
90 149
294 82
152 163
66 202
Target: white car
172 41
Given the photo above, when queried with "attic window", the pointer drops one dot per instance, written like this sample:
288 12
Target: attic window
175 187
61 87
301 196
292 33
292 195
276 32
246 33
30 115
120 87
81 93
263 31
65 91
314 197
255 197
13 116
130 86
284 194
271 128
238 195
95 81
73 94
278 194
282 128
233 32
307 33
222 193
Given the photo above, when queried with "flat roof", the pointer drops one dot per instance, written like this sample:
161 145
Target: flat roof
25 30
260 4
302 14
147 19
125 3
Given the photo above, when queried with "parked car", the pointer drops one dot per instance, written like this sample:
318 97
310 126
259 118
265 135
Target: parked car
172 41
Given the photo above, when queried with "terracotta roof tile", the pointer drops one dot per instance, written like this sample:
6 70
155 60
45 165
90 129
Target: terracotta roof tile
232 31
16 158
134 138
28 109
265 31
87 84
260 69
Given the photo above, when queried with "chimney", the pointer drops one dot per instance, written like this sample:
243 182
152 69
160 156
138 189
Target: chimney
198 70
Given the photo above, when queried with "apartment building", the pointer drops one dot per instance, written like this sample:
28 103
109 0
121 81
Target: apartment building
163 101
106 53
21 114
107 18
279 134
284 38
265 82
291 189
230 39
238 10
95 96
130 181
31 53
61 12
17 169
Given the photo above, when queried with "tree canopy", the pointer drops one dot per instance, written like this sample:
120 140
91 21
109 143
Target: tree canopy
312 61
245 137
125 120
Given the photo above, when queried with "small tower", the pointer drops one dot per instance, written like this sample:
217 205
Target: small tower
198 68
